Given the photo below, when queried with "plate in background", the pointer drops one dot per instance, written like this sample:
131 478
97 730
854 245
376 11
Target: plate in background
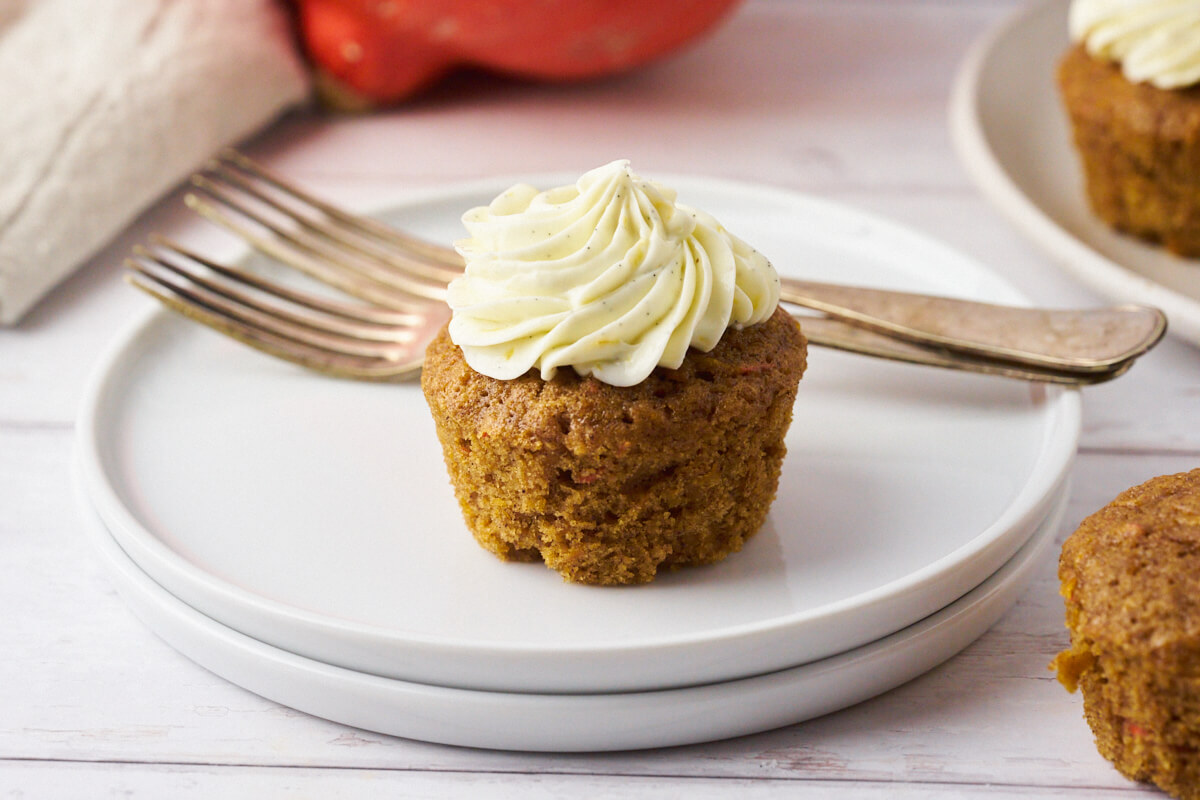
1012 136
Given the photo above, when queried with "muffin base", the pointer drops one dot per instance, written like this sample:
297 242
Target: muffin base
607 484
1140 151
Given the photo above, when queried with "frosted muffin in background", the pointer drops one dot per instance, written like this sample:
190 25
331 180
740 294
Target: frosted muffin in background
1131 86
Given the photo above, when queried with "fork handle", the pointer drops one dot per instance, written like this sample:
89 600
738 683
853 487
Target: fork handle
1086 340
841 335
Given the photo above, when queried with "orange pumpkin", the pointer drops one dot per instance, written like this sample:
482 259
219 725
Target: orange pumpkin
369 52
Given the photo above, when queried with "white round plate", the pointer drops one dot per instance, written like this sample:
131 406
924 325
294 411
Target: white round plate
551 722
315 514
1012 136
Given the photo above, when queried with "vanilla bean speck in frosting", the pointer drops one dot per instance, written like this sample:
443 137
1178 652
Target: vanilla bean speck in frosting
609 276
1155 41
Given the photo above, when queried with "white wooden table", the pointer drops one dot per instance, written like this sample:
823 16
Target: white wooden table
844 100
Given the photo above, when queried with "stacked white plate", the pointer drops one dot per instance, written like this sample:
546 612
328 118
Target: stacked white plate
298 535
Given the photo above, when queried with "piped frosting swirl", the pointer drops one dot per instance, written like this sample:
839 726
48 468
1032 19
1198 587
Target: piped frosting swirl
609 276
1155 41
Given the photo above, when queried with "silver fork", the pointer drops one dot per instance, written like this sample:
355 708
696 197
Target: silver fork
346 340
402 279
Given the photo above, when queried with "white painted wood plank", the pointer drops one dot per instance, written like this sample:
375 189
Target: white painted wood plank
70 781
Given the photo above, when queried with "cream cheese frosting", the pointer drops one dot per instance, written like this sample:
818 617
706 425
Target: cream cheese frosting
1155 41
610 276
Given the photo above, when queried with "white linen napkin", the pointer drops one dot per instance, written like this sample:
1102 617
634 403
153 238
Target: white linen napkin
106 104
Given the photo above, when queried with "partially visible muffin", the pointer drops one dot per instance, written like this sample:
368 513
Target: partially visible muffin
1129 85
1130 576
614 386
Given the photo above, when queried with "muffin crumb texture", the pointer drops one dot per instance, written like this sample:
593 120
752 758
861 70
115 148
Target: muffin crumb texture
1130 576
1140 150
607 484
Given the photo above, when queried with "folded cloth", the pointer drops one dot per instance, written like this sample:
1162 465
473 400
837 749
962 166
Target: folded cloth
107 104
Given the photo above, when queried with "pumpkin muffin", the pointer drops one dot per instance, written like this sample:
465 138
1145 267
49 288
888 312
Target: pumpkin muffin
1135 119
608 484
614 386
1131 580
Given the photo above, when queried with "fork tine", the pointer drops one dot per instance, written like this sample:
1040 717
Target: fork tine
373 315
329 269
266 308
247 311
385 263
430 252
410 256
329 343
310 240
316 359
